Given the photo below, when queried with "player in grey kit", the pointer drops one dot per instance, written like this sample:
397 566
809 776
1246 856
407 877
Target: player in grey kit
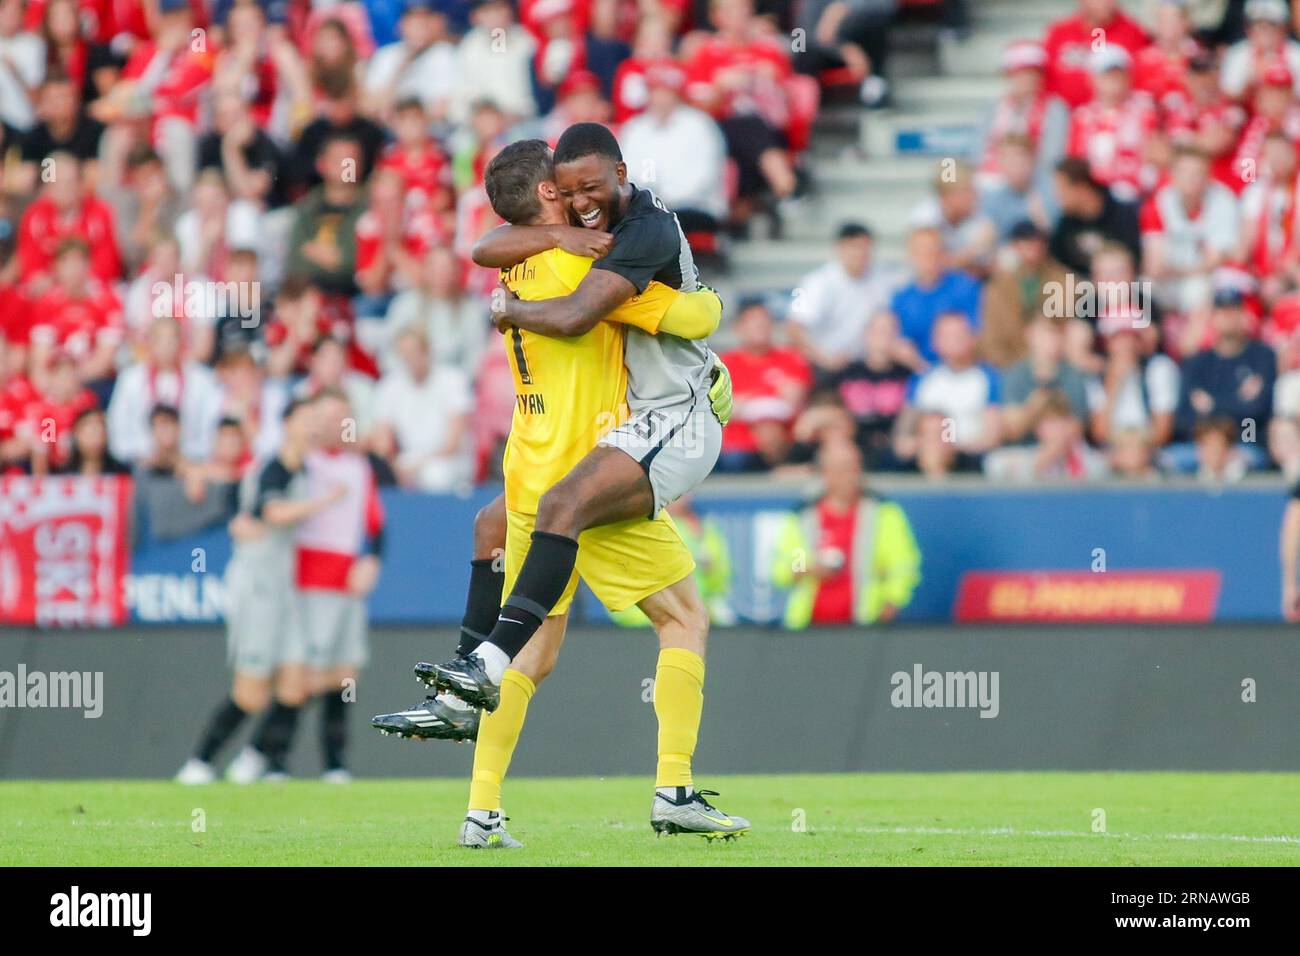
264 629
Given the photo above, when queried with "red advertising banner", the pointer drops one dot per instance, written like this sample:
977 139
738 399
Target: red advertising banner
1082 596
63 550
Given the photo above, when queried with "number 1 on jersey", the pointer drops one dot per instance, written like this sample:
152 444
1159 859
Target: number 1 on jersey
521 360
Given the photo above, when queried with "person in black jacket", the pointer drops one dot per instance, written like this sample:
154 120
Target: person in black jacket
1090 217
1234 379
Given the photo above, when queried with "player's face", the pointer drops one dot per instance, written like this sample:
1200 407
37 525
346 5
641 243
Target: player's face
590 187
333 423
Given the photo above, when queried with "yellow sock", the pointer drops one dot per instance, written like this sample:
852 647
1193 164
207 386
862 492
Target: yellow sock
679 702
497 736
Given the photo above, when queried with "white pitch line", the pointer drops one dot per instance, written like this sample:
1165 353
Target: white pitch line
1011 831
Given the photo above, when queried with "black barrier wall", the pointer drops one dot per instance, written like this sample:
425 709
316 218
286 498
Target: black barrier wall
1121 698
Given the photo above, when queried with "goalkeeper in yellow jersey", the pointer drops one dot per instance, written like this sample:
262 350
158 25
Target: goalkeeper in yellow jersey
571 393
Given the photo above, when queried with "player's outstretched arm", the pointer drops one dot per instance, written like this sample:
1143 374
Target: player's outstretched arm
693 315
599 294
509 245
688 315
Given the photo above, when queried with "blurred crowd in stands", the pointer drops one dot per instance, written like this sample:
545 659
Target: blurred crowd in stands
211 207
1110 287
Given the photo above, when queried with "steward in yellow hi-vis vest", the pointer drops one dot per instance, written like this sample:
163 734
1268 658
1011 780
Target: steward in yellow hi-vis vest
848 558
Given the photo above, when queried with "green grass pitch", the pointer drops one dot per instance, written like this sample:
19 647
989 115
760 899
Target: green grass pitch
844 819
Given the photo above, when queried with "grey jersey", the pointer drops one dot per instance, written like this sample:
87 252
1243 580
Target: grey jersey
271 553
649 244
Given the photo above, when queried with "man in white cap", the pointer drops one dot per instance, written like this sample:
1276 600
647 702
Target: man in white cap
1266 44
1111 130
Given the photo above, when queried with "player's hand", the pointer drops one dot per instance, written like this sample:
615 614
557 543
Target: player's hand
720 391
363 575
591 243
244 527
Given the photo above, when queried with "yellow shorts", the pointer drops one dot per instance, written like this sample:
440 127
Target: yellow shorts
622 563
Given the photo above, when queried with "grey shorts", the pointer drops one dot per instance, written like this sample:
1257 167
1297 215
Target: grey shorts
263 622
334 625
677 446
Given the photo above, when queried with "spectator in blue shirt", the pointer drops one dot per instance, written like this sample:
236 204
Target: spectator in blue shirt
933 291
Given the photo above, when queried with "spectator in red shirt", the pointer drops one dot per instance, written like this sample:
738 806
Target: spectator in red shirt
653 45
63 210
1160 70
418 158
15 394
769 384
262 65
1025 108
300 320
104 21
78 315
1113 129
1207 119
46 422
396 230
739 76
1071 41
578 100
1275 109
1270 216
162 81
13 332
73 46
561 50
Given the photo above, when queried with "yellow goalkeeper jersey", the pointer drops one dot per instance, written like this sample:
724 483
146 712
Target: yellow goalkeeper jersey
568 391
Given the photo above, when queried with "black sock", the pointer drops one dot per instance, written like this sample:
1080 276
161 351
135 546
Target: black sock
275 735
482 605
333 728
223 723
538 588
